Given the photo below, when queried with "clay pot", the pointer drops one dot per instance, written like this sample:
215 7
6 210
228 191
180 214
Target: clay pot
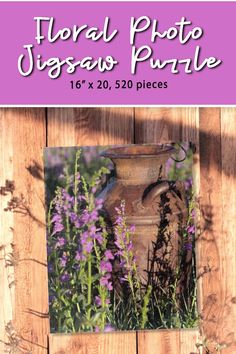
140 181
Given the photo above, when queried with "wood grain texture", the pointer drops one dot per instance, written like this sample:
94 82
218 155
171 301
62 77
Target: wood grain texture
106 343
27 131
162 124
90 126
218 242
227 242
211 300
168 342
6 237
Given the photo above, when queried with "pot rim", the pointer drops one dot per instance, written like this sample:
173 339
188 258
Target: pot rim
138 150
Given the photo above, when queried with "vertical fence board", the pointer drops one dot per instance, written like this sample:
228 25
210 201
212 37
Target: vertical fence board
26 131
6 237
218 244
91 126
227 246
159 125
211 253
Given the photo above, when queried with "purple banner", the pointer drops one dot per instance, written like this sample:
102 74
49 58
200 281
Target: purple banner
79 53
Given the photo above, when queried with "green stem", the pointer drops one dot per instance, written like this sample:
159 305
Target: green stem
67 217
89 295
72 325
67 228
103 299
49 223
145 307
133 294
78 307
76 182
102 292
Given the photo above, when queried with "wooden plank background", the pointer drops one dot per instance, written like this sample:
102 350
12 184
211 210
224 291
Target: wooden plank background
112 343
24 324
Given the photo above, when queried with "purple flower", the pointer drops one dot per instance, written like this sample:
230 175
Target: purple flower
56 218
109 255
104 281
130 246
99 203
64 277
93 216
92 231
94 190
188 246
78 255
169 165
99 238
50 268
63 260
98 301
78 224
58 227
191 229
67 197
119 246
124 244
51 299
89 246
119 220
132 228
60 242
85 217
188 183
84 236
109 328
89 217
73 217
122 263
124 278
106 266
109 286
81 197
180 165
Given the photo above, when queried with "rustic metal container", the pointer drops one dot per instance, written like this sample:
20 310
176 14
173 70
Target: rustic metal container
140 180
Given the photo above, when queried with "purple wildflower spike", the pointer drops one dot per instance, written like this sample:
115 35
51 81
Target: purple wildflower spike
109 255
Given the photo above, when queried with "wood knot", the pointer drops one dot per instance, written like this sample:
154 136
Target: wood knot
233 300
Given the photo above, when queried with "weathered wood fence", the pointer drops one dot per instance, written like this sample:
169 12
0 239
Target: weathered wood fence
24 325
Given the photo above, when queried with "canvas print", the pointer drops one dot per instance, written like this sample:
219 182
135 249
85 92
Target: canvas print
120 233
